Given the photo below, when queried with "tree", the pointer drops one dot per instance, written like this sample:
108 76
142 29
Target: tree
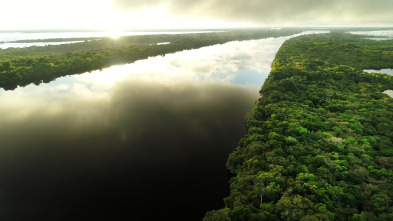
219 215
293 207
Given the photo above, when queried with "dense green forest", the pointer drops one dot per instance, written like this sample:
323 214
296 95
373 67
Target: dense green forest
22 66
320 140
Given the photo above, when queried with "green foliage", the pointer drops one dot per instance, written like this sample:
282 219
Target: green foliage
220 215
320 140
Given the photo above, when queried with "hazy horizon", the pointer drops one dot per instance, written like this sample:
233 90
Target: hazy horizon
54 30
121 15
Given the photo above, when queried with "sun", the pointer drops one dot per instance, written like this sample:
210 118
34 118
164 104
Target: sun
114 33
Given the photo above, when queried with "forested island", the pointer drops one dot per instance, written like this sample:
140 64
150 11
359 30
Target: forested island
320 139
22 66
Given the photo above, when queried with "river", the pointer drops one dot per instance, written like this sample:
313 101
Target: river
147 140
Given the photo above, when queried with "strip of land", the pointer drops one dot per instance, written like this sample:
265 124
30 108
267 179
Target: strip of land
320 140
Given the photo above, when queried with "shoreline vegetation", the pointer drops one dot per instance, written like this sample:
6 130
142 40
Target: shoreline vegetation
22 66
320 140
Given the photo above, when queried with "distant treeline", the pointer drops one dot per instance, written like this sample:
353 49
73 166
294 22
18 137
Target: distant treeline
49 40
22 66
320 140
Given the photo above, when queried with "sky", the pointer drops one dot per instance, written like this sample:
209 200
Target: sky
119 15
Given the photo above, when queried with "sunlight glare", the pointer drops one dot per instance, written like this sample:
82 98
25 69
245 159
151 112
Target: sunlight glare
114 33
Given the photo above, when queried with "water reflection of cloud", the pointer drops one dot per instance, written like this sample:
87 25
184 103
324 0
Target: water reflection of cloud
95 150
139 100
196 65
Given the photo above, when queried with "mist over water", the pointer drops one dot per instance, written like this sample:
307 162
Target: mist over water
145 141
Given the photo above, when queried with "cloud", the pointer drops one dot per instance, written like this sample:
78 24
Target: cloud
266 12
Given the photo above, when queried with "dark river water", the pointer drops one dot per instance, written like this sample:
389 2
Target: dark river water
144 141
